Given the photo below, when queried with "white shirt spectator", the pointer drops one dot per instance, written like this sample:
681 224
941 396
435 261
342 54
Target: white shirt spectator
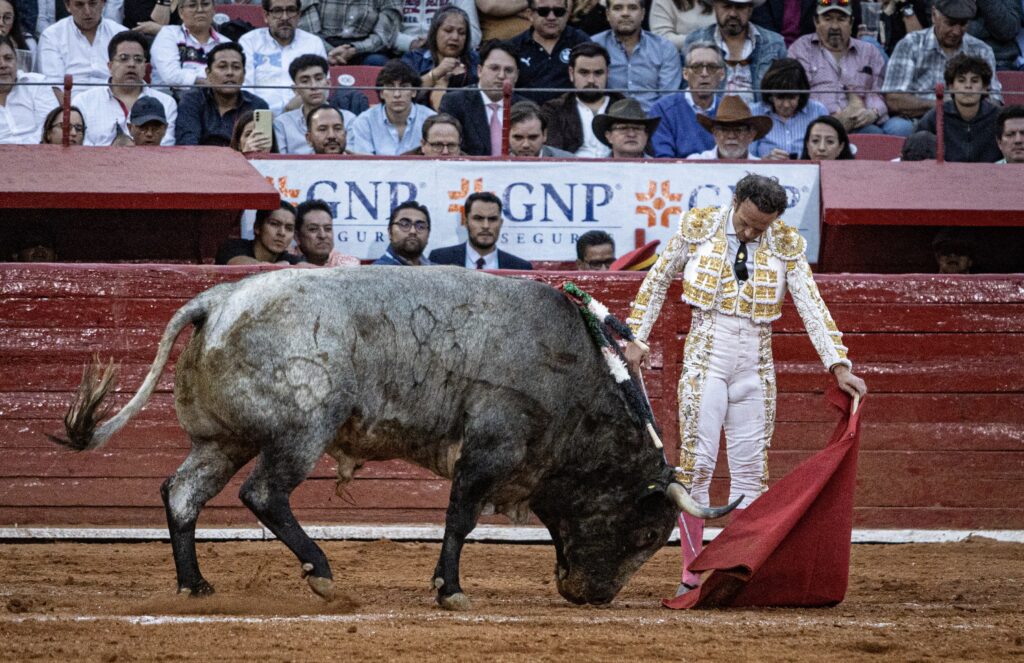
63 49
266 63
591 146
712 155
104 113
290 131
176 55
22 117
114 10
416 16
490 260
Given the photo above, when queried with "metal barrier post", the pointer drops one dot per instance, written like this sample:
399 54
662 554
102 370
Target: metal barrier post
65 135
506 119
940 125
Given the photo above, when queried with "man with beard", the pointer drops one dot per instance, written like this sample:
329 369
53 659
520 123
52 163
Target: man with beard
314 235
544 48
409 232
325 130
570 116
106 109
23 108
271 51
919 62
679 135
482 219
835 61
748 50
734 129
309 78
641 61
206 116
626 129
528 133
273 233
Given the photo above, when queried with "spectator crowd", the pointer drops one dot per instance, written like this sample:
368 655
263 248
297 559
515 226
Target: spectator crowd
697 79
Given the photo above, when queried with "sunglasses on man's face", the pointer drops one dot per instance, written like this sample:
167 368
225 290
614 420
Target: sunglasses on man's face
833 3
544 12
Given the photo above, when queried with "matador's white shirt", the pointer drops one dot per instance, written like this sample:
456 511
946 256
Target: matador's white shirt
699 250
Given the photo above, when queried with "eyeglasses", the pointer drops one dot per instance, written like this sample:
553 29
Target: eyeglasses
833 3
708 68
278 12
544 12
409 224
125 57
80 128
197 5
448 147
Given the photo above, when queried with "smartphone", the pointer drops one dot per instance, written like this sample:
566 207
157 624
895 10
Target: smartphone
263 121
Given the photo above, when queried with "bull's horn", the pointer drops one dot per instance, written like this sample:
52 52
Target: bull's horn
654 436
686 503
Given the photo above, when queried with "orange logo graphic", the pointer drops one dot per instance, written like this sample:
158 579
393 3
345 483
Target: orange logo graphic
658 204
463 192
282 186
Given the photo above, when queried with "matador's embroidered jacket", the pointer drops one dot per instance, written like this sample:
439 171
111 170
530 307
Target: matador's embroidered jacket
699 248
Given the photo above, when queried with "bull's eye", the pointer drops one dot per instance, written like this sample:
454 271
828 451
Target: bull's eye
647 538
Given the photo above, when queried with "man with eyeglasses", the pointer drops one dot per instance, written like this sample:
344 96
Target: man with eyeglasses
748 49
544 49
595 251
442 137
356 31
77 45
737 263
206 116
106 109
919 62
642 62
408 233
835 61
271 50
480 109
23 108
180 52
679 134
626 129
481 217
309 78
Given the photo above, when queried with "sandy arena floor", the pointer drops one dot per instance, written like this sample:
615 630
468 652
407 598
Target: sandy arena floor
115 602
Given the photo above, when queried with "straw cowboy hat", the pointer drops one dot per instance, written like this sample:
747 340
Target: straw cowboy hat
624 110
732 111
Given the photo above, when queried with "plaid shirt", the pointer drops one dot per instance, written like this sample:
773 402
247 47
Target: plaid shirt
918 63
368 25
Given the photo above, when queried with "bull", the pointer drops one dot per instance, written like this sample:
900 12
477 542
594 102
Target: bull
491 382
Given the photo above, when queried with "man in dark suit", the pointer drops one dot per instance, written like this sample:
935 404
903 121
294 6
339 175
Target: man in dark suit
482 218
481 109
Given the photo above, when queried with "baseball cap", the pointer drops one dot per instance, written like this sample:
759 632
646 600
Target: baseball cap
958 10
147 109
831 5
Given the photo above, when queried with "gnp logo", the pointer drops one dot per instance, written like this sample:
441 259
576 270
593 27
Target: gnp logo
544 202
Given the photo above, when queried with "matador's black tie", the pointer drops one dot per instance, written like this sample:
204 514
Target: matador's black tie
740 266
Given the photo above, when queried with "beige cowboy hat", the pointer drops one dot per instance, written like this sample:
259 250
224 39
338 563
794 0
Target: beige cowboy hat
732 111
623 110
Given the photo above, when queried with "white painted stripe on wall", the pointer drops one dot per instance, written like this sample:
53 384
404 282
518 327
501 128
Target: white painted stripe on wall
435 532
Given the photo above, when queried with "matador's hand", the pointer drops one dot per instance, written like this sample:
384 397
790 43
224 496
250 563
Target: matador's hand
636 355
849 382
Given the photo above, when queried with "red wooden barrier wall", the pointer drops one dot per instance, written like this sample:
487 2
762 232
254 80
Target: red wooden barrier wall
942 445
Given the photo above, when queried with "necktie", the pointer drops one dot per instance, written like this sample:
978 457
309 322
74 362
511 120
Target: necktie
495 129
740 266
479 263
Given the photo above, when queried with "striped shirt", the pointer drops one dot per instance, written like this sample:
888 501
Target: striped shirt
368 25
919 62
786 135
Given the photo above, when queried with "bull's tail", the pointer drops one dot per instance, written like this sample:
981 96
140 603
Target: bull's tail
82 421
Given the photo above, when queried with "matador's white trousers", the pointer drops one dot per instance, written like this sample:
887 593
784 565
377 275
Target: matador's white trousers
728 382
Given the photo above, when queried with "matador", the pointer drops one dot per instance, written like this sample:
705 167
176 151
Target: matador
737 262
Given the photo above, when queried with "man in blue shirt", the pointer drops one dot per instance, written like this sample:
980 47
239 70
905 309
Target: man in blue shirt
409 232
395 125
207 116
544 49
679 135
641 62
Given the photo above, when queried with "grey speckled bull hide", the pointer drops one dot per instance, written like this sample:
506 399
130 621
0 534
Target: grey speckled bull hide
491 382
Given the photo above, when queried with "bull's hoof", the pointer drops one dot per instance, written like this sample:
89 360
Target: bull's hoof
457 601
199 590
323 587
